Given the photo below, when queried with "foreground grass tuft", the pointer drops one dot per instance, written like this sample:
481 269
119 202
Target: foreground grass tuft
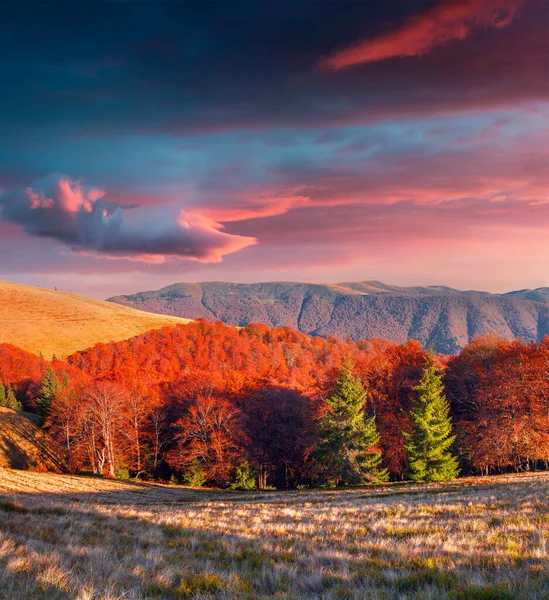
13 507
491 592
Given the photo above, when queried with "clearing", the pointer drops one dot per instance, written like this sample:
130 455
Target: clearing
85 538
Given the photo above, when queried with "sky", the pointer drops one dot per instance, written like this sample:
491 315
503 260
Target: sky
147 143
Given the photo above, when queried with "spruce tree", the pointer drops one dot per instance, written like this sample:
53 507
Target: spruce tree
11 399
346 452
428 443
49 389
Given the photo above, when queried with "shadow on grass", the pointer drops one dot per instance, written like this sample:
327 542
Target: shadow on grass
23 427
90 489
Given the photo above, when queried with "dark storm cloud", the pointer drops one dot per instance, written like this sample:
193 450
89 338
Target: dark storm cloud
101 68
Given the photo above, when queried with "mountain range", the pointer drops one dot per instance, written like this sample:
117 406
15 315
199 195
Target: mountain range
439 317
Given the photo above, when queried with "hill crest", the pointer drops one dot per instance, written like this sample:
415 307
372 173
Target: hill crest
50 322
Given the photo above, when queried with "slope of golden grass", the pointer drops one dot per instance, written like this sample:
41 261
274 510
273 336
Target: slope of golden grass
23 444
41 320
83 538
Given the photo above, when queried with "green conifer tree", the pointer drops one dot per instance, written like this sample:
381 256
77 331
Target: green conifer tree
194 475
3 398
244 478
346 452
428 444
49 387
11 399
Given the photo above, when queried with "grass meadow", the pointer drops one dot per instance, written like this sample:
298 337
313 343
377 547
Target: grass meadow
85 538
45 321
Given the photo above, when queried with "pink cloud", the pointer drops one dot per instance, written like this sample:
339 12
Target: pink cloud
447 21
38 200
259 204
467 242
59 208
489 165
515 168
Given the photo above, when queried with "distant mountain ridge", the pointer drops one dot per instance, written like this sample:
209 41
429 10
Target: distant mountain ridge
437 316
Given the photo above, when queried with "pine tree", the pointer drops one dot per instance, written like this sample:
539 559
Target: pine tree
346 452
49 388
3 398
11 399
428 443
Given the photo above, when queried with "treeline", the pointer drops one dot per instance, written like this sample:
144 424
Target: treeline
210 404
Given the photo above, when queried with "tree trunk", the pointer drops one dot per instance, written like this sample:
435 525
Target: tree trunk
68 442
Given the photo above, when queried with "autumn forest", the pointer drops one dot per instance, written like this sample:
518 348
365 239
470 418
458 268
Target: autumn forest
209 404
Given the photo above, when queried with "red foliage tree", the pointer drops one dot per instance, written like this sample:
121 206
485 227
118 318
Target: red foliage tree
103 416
509 424
280 434
208 434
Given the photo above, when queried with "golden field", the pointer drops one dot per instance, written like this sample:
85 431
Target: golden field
84 538
41 320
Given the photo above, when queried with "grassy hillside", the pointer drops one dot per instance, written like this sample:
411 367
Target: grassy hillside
69 537
23 445
51 322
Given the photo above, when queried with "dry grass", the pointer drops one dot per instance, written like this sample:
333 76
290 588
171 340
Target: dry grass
23 444
41 320
71 537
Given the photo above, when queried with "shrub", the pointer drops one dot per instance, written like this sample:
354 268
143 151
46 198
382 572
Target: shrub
194 475
122 473
244 478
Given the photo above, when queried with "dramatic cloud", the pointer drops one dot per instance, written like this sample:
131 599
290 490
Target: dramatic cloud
59 208
412 170
176 69
446 21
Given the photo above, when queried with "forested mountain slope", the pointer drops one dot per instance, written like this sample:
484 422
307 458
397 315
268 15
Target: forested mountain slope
439 317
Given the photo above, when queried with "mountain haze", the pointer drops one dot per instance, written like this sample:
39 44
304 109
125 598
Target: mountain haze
437 316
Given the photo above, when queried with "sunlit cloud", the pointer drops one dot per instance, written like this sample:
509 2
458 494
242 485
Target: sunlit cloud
447 21
62 209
